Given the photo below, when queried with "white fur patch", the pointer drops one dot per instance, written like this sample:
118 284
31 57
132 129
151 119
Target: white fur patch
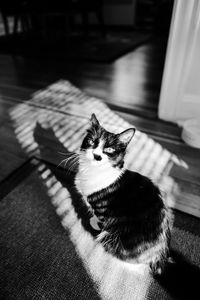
95 175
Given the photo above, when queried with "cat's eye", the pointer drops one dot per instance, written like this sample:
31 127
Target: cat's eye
109 150
90 142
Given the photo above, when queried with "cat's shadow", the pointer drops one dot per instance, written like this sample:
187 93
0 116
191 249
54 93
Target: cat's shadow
180 279
52 152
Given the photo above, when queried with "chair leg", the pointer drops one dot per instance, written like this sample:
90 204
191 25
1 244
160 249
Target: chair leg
100 19
16 19
25 23
5 22
67 19
85 23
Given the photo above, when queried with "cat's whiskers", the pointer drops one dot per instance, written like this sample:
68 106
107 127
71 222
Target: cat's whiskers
60 163
66 153
64 161
72 164
68 161
72 161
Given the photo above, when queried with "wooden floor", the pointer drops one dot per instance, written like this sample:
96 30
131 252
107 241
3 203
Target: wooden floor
130 86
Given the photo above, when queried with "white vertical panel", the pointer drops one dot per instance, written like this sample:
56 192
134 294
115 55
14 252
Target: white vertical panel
176 103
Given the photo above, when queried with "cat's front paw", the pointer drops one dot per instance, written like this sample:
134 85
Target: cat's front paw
95 223
157 268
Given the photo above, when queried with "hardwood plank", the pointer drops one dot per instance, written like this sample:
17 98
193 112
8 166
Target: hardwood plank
17 176
9 163
153 126
15 93
125 82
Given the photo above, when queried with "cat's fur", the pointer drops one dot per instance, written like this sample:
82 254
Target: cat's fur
135 223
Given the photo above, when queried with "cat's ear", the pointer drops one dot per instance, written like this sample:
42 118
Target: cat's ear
94 120
126 136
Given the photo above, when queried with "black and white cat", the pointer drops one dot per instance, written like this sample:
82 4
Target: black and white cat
134 221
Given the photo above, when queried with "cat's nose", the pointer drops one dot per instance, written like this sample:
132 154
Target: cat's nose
97 157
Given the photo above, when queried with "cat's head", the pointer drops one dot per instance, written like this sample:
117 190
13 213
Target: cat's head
102 147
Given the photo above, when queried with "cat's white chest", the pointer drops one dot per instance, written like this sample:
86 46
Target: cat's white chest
95 178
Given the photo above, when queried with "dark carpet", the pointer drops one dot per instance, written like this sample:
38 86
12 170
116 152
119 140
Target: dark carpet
93 49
